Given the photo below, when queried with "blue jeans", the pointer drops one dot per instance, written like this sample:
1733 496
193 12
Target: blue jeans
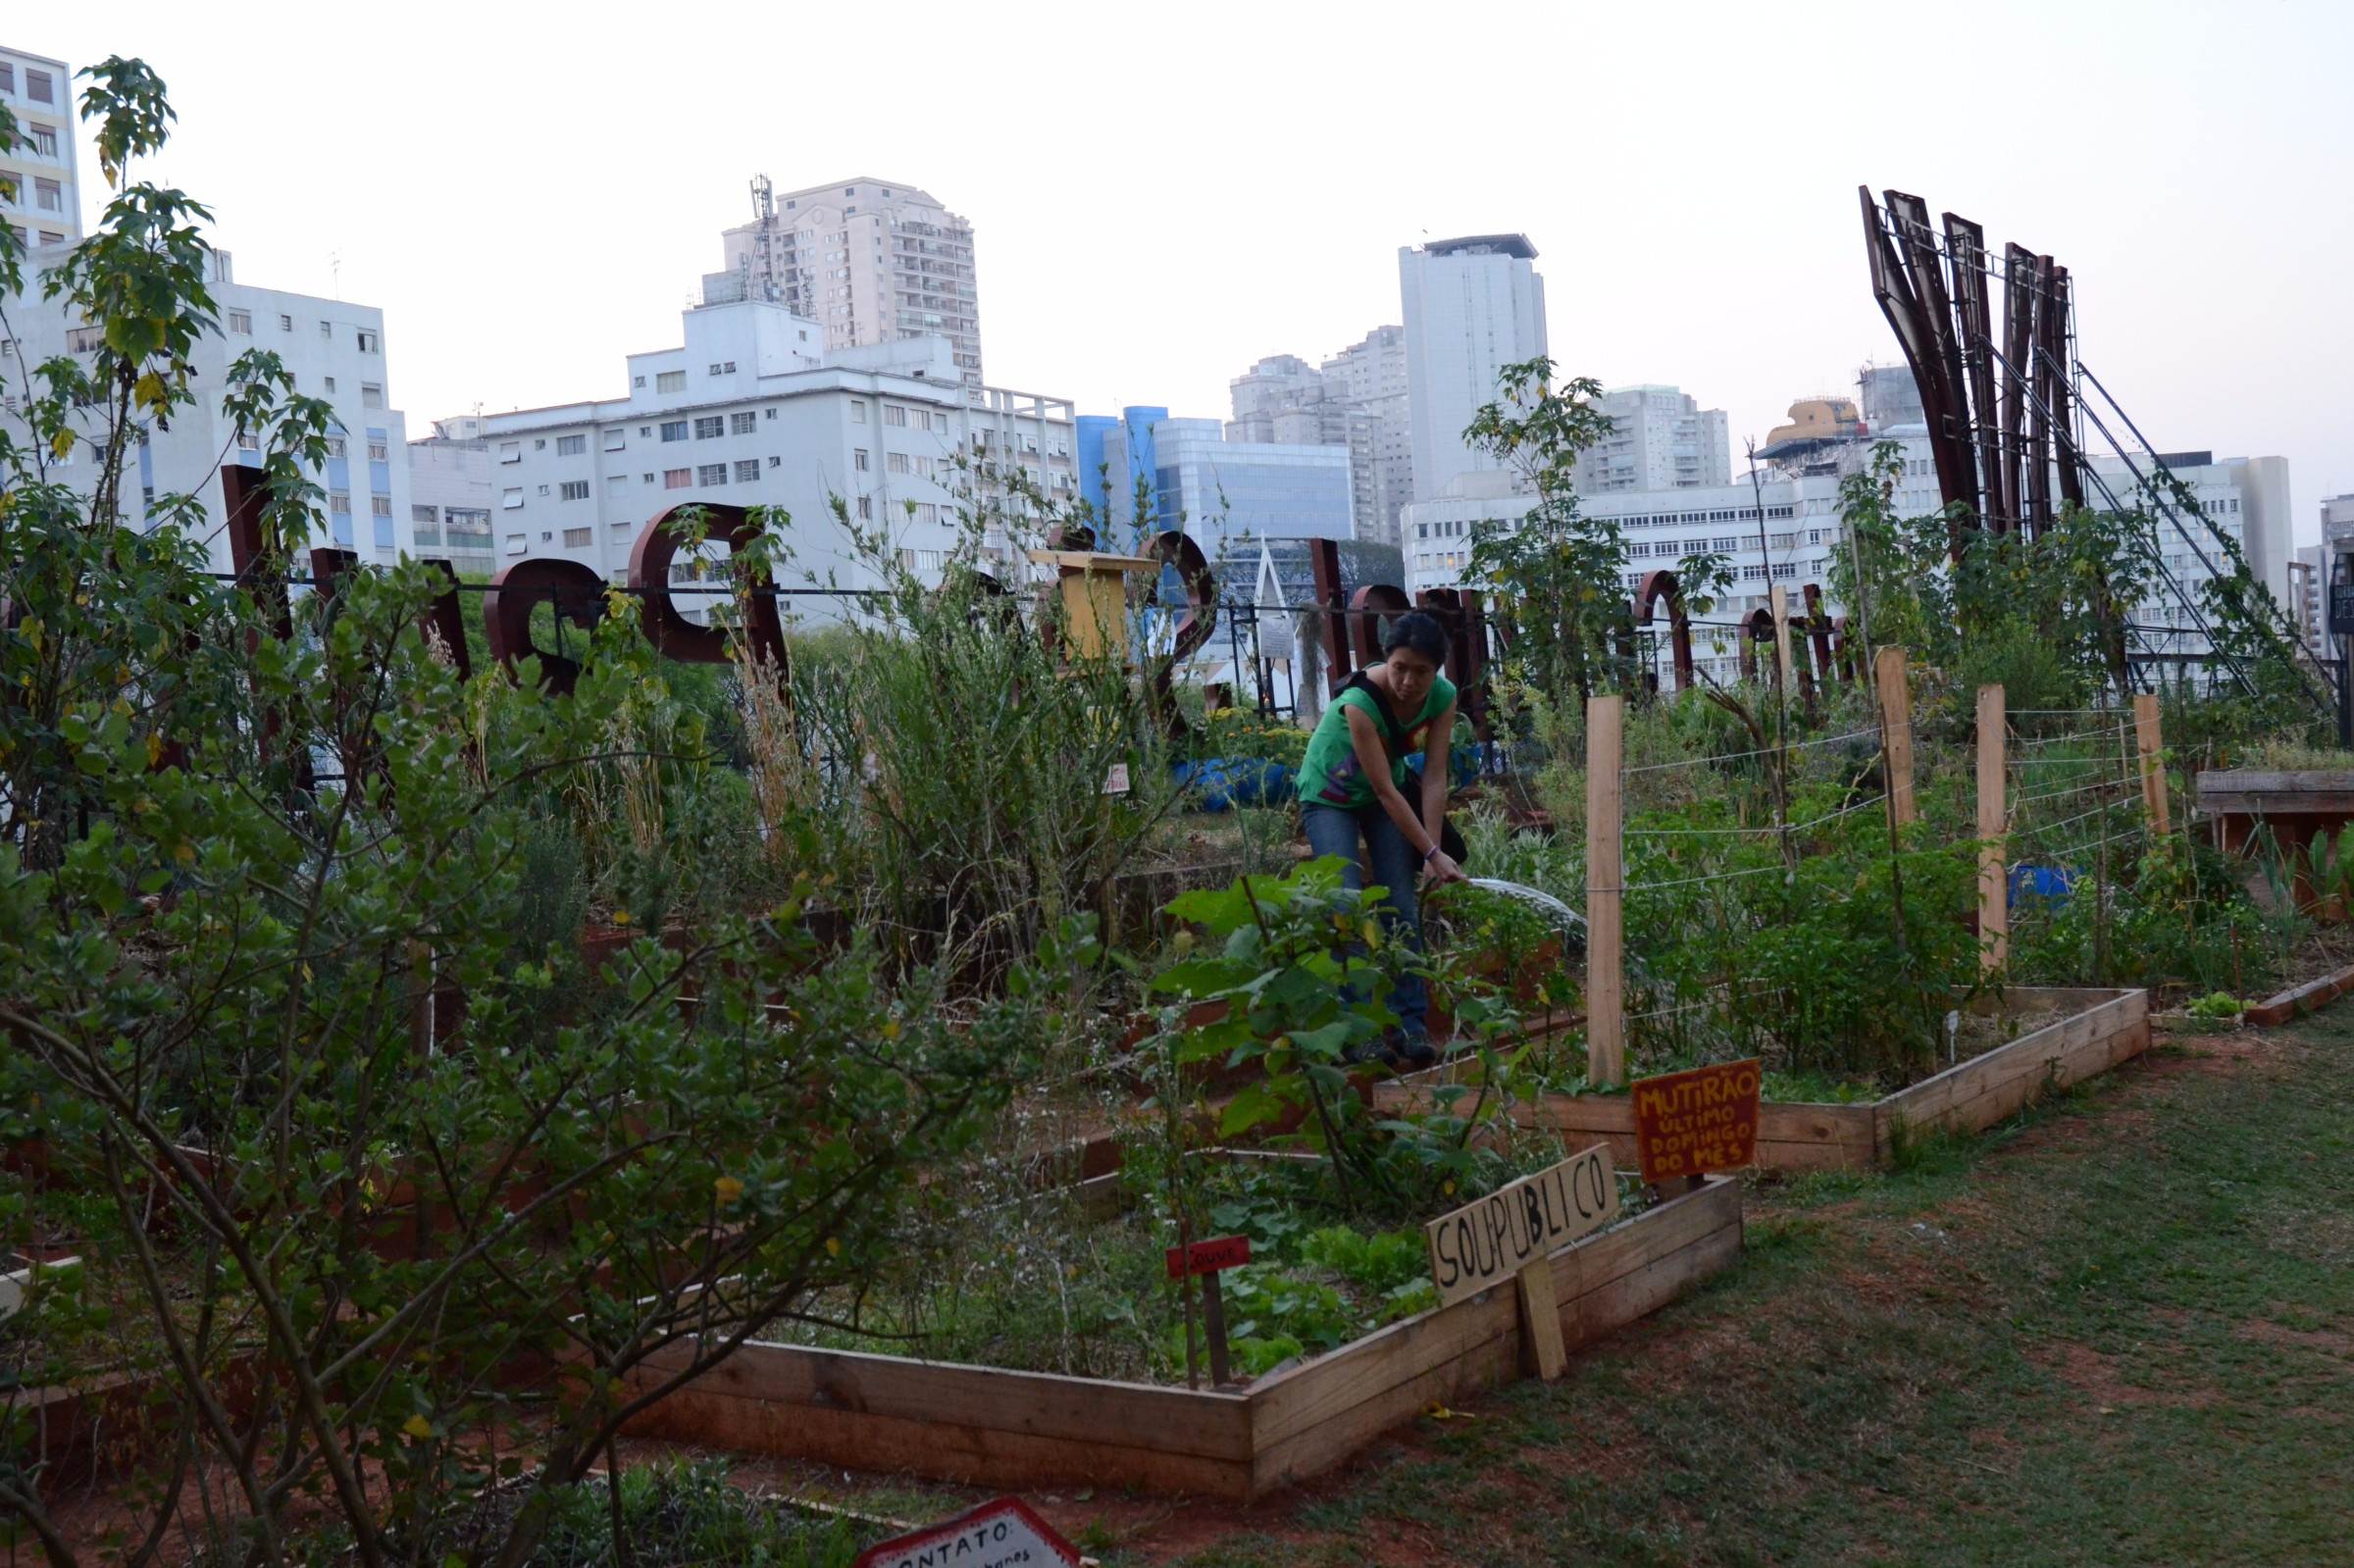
1396 866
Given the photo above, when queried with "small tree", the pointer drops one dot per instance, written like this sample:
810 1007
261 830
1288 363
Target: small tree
1560 574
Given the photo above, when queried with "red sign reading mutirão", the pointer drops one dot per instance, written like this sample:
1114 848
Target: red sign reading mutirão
1704 1120
1208 1258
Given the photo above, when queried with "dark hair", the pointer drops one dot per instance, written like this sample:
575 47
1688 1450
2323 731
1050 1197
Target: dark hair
1420 631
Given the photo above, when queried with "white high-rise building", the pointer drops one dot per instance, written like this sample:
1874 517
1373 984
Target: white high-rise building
1473 305
870 261
1661 440
40 188
753 409
336 352
1369 376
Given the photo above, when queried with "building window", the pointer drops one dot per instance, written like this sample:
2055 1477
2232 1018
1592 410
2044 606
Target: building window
370 395
616 483
517 544
616 439
424 514
330 382
927 512
49 195
858 413
571 445
285 322
711 473
510 452
513 497
674 429
769 413
638 382
576 490
747 469
543 489
894 414
858 458
896 462
776 462
677 479
38 86
577 538
1785 568
741 423
338 502
379 505
707 427
670 381
379 448
335 446
241 322
370 344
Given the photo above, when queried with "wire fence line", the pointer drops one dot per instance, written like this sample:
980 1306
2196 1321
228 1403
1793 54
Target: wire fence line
1736 756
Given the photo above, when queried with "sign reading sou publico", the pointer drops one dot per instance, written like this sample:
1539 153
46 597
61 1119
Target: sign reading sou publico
1486 1243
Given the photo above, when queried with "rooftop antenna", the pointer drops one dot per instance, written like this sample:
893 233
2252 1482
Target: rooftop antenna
334 264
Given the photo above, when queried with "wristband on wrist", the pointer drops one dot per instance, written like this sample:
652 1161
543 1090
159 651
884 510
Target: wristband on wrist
1427 853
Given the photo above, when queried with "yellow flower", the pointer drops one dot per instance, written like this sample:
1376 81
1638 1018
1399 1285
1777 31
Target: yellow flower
891 1028
728 1189
833 1246
621 917
418 1427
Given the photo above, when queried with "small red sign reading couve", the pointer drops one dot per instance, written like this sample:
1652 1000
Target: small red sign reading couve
1208 1258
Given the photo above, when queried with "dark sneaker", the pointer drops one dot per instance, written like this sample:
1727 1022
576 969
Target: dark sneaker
1378 1049
1417 1053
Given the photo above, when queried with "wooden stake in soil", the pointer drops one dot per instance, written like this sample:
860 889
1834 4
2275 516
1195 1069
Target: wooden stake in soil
1994 880
1896 731
1213 1323
1605 893
2153 767
1779 598
1542 1354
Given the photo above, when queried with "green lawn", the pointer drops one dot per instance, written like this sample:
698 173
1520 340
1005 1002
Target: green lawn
2120 1331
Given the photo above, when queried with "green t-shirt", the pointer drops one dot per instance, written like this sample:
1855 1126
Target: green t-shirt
1330 775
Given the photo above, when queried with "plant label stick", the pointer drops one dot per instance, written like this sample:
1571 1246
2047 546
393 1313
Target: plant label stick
1207 1258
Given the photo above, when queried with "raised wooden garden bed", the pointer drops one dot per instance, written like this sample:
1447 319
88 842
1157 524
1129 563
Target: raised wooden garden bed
2298 1001
2102 1028
990 1427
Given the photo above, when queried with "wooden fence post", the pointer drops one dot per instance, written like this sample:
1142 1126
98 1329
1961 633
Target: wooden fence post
1994 878
1605 893
1896 730
2153 767
1779 597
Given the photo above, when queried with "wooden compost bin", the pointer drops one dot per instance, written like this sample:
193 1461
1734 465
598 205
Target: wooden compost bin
2105 1028
990 1427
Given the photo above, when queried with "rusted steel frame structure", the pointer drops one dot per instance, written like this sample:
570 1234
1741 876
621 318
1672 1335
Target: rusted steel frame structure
1998 412
1352 624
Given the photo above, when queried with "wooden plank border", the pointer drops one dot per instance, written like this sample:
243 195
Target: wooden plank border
2297 1000
2105 1028
986 1425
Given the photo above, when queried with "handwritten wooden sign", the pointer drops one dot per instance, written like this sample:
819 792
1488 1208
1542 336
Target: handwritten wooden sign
1688 1124
1004 1534
1486 1243
1207 1257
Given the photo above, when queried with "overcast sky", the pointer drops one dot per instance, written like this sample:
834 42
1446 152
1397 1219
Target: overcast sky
1162 195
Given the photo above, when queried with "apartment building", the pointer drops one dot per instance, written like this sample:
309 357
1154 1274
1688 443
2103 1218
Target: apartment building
1661 440
451 499
40 187
1473 305
753 409
335 351
869 261
1356 399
